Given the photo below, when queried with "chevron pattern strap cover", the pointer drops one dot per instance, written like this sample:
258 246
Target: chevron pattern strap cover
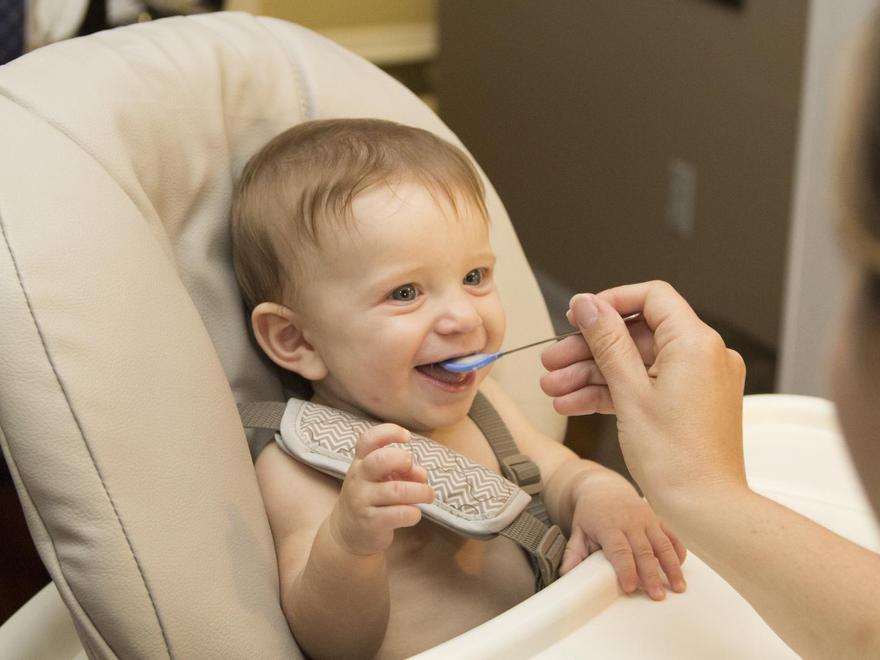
468 498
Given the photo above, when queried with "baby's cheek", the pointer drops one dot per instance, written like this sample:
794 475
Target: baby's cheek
496 323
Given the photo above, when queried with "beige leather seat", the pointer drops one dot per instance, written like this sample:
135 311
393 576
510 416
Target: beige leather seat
122 342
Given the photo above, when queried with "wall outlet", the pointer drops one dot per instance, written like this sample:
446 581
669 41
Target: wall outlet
681 197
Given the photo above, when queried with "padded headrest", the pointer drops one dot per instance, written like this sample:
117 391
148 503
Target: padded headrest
123 328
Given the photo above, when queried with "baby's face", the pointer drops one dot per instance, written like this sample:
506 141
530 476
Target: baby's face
411 285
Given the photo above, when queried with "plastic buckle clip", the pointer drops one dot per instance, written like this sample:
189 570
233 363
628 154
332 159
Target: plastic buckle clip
522 471
549 554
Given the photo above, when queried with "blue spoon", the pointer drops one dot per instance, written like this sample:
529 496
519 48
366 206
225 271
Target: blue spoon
476 361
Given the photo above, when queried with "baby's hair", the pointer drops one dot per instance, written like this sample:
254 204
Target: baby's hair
303 182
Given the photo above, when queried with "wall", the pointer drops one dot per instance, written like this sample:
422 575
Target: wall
576 111
815 269
334 13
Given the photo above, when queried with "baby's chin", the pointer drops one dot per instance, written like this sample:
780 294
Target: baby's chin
417 416
425 419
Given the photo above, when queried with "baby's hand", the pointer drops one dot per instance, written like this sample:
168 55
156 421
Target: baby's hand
379 493
609 514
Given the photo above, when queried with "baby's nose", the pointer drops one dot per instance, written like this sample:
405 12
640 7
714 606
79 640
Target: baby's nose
458 316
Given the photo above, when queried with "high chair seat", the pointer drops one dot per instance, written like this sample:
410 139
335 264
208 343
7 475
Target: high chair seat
585 614
123 345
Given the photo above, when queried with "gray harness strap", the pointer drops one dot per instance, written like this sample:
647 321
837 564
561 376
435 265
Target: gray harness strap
262 414
531 529
519 468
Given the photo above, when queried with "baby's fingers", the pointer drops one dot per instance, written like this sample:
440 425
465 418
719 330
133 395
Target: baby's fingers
646 562
668 556
680 550
386 463
617 550
392 493
379 436
576 551
416 473
395 517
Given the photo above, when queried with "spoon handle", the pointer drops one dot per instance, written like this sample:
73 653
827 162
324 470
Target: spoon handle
628 318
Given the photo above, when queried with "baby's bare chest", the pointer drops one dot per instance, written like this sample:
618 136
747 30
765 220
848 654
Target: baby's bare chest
466 439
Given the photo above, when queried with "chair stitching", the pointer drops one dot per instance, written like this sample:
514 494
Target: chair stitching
82 433
307 111
13 469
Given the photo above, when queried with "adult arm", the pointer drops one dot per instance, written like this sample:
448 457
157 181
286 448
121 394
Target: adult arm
677 393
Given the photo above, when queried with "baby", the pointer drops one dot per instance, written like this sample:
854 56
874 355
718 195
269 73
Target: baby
362 248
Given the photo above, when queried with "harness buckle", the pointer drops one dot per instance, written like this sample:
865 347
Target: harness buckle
522 471
549 554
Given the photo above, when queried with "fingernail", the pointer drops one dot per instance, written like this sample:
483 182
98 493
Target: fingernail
680 586
585 309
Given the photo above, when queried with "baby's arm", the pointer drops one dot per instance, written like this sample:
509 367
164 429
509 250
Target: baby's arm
596 508
330 545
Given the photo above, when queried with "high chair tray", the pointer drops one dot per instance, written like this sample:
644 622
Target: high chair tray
795 455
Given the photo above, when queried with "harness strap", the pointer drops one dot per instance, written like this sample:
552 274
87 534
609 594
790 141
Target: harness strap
262 414
531 529
519 468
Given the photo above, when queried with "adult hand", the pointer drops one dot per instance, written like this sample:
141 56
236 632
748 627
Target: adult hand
675 387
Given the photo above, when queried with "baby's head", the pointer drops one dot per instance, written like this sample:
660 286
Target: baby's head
362 248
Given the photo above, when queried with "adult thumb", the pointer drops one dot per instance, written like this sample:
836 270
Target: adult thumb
613 349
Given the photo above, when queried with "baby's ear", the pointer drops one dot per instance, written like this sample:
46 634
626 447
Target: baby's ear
279 335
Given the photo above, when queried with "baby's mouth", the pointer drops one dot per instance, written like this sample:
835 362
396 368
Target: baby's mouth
437 372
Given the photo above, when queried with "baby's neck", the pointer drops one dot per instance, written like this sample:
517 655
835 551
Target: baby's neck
330 401
334 402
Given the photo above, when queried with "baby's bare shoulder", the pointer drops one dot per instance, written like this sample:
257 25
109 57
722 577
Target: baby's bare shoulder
297 498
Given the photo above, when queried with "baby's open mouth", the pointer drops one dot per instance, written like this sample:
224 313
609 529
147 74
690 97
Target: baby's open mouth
437 372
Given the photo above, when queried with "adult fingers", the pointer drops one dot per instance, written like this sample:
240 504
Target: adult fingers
613 349
657 301
571 378
565 352
574 349
666 313
379 436
586 401
668 557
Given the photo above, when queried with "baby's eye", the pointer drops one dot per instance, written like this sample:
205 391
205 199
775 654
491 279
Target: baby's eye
405 293
475 277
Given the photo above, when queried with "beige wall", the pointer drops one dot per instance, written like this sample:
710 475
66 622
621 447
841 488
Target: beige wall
816 271
333 13
575 110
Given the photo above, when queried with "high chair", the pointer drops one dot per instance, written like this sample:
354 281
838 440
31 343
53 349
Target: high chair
123 348
123 340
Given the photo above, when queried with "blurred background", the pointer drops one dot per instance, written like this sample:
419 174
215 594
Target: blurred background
685 140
